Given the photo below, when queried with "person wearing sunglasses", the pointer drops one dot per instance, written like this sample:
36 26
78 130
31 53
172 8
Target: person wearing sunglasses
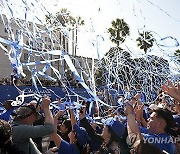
23 130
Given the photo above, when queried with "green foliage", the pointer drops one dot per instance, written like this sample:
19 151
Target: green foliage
145 40
119 31
64 18
177 54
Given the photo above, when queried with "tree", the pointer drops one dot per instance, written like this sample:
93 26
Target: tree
60 19
145 40
119 31
177 54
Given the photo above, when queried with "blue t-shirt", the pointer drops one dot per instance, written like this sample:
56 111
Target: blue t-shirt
162 141
6 115
67 148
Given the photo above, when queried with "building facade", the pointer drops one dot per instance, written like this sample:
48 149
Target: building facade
37 40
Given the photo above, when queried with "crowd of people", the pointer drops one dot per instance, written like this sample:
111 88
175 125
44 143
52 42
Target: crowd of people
130 128
68 81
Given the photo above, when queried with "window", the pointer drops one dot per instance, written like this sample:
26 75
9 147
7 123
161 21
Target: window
25 56
27 42
6 30
67 47
90 64
49 46
45 38
58 48
41 58
60 38
17 32
49 40
56 62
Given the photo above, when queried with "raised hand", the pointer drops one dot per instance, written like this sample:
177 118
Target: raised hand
46 102
170 89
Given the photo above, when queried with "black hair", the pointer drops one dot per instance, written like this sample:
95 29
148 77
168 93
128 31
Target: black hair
68 125
7 104
167 116
104 149
147 148
113 138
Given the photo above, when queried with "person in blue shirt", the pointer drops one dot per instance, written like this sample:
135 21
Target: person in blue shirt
158 131
9 109
62 146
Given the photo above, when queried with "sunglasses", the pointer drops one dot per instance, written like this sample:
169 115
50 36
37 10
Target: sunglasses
33 111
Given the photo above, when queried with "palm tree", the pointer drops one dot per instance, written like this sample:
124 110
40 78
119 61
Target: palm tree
177 54
119 31
61 17
145 40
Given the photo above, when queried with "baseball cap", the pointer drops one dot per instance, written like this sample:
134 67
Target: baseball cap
82 135
117 127
25 111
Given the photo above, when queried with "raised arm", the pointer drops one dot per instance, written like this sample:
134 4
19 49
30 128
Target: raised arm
172 90
47 112
131 122
73 119
55 137
91 132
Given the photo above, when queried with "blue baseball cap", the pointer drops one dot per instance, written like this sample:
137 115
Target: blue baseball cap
82 135
117 127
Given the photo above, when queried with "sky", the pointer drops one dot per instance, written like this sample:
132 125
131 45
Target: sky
159 16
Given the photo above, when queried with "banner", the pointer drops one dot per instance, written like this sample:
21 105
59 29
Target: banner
10 92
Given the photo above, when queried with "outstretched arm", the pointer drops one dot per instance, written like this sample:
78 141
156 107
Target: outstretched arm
173 91
132 126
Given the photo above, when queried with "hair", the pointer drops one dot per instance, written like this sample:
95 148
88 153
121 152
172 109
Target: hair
7 104
147 148
114 137
68 125
104 149
167 116
6 145
5 132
